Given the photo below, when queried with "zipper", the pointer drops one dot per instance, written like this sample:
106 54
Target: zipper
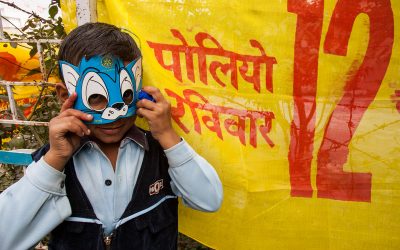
107 241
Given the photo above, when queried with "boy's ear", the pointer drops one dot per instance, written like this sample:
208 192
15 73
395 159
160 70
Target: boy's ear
62 92
70 75
136 68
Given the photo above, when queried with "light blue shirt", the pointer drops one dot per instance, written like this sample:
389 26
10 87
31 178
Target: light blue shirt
37 203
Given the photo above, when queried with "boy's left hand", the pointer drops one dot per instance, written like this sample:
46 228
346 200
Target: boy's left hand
158 116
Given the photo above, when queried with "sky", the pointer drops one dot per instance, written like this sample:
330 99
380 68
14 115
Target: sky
18 18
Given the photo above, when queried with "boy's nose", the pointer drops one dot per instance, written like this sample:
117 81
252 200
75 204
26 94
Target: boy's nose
118 105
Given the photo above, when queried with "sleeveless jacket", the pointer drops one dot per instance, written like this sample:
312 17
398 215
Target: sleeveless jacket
150 220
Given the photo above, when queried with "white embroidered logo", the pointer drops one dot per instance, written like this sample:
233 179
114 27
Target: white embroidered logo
156 187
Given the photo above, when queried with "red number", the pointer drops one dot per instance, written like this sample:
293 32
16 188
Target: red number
307 44
359 92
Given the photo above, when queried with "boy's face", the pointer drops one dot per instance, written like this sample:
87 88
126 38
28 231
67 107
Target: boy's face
106 87
104 133
122 90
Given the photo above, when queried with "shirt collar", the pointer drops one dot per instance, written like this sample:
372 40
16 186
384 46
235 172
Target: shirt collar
137 135
134 134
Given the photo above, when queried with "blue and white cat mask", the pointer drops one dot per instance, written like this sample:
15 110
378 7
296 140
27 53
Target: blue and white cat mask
108 77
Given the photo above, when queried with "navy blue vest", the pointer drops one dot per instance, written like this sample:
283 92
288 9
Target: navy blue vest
150 220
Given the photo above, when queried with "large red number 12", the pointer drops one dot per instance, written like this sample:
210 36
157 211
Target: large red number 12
360 90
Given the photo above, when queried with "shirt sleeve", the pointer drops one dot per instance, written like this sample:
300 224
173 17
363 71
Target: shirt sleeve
33 206
193 178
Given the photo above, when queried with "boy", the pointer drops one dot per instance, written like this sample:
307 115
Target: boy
102 183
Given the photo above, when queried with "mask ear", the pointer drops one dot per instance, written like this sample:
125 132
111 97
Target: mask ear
136 68
70 75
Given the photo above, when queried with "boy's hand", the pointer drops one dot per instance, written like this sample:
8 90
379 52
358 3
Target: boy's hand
158 115
65 131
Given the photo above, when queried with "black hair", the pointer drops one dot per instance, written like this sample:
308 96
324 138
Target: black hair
101 39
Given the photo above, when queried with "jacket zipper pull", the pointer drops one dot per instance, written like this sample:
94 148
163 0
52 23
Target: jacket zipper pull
107 241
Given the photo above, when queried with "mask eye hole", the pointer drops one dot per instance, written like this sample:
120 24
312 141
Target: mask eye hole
97 102
128 96
94 92
126 87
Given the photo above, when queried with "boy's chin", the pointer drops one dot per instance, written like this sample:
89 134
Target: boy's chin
105 138
113 132
108 140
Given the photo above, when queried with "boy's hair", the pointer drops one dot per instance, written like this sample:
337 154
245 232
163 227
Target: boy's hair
101 39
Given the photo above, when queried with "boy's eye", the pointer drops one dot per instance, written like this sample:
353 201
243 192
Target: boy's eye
128 96
126 87
97 102
94 92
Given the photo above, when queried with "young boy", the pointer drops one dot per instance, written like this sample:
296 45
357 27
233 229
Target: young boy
103 183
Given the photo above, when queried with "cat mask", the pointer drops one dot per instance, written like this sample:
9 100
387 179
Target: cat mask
105 88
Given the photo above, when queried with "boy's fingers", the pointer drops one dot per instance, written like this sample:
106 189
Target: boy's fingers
154 92
146 104
144 113
75 128
76 113
73 125
69 103
80 127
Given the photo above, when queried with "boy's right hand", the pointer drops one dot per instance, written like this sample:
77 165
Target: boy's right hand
65 132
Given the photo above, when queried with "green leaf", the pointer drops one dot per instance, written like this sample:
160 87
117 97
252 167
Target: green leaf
59 30
25 27
53 11
6 35
33 72
32 25
33 52
49 64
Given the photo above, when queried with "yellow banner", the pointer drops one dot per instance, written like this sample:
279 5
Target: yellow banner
295 103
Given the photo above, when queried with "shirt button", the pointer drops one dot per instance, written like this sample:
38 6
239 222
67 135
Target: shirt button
108 182
62 184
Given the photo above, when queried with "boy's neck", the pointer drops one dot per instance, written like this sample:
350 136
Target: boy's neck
110 150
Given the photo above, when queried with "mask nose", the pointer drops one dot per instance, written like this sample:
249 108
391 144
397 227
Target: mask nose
118 105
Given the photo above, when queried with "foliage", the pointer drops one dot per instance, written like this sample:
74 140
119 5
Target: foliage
9 175
17 136
46 106
37 27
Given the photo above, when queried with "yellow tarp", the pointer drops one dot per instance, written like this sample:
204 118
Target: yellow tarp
295 103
